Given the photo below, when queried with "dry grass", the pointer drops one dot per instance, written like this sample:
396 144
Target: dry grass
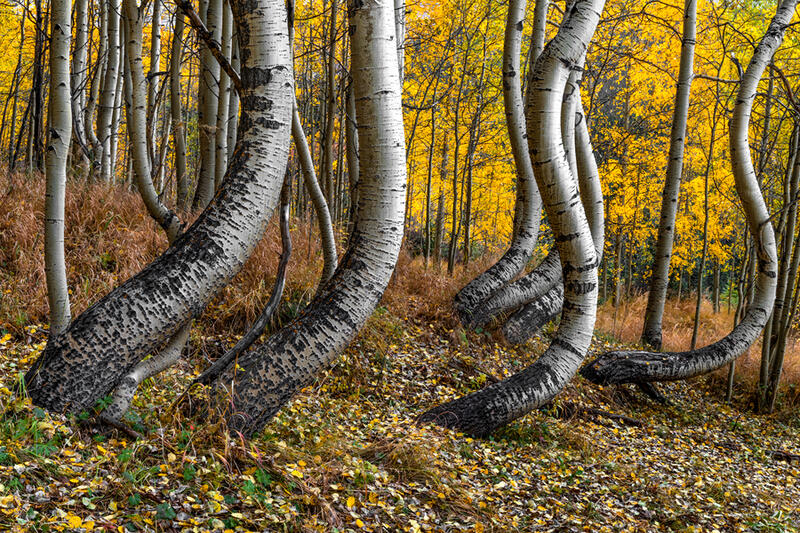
109 237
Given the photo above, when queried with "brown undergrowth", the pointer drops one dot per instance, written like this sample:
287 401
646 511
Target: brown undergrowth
109 238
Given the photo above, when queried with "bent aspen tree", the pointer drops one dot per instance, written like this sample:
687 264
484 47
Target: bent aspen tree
59 119
647 367
136 106
272 373
527 230
659 279
483 411
107 341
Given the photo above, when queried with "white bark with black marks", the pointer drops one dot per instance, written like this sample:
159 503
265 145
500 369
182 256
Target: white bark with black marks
659 279
106 342
483 411
469 299
59 121
272 373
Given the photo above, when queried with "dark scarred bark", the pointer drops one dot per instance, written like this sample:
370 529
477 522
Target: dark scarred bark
105 342
528 320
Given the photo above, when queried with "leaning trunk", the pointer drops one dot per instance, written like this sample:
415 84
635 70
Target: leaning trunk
105 342
482 412
271 374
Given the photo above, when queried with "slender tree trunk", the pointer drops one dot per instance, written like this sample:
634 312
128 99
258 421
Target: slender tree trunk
105 342
272 373
78 78
109 91
207 103
152 80
651 333
233 105
176 111
330 257
326 168
59 119
136 120
645 367
223 97
482 412
351 134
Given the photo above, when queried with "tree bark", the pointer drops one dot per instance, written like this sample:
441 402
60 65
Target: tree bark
271 374
645 367
223 101
104 343
137 124
659 280
207 103
330 257
482 412
59 119
178 132
109 91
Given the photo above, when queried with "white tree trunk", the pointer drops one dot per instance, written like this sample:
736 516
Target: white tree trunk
481 412
224 96
271 374
330 257
137 126
207 103
107 341
78 74
59 121
659 279
646 367
109 92
178 130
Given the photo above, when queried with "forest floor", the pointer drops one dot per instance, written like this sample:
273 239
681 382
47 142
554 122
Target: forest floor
346 454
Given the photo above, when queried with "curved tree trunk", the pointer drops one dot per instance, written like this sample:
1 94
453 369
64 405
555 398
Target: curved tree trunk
524 240
644 367
482 412
59 120
214 371
533 316
651 333
137 124
105 342
330 257
272 373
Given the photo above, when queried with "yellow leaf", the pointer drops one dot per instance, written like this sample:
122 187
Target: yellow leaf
74 521
351 501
